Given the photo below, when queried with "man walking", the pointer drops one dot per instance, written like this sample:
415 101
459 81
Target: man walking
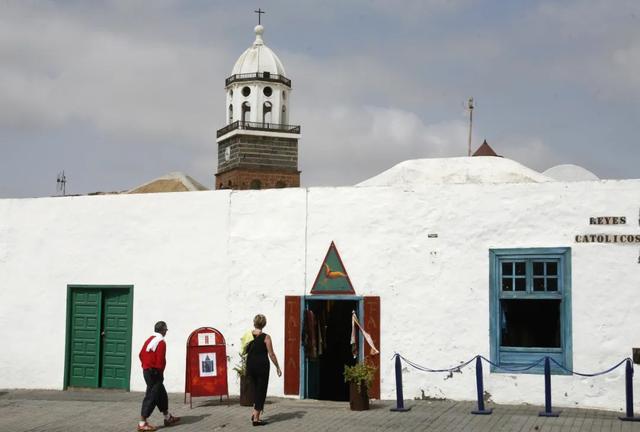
152 356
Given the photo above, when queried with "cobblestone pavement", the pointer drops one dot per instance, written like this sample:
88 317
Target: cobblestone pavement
39 410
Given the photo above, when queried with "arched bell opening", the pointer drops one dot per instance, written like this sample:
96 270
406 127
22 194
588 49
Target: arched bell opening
266 112
246 112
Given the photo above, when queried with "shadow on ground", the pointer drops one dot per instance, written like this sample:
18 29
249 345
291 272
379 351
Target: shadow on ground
188 419
224 402
281 417
215 402
378 405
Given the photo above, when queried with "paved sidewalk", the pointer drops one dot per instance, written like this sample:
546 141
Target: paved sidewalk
71 411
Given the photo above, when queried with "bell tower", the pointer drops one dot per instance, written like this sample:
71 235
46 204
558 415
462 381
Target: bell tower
258 148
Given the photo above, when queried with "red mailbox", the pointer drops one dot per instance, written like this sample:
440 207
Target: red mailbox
206 366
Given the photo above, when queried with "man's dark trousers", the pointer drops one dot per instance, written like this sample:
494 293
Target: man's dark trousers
156 395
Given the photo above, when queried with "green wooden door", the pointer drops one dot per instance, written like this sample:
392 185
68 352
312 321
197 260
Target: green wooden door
99 345
85 334
116 347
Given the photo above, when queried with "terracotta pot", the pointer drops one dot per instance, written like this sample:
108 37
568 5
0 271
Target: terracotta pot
246 391
358 400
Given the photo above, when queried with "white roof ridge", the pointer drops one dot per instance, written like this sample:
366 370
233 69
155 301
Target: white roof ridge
456 170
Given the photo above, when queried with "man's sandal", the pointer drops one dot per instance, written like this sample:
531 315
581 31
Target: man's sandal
171 420
146 427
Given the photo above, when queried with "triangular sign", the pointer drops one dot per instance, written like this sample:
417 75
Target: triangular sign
332 277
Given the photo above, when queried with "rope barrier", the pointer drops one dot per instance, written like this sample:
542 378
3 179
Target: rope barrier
426 369
548 412
611 369
522 368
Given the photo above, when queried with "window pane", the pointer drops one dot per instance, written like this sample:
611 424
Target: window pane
538 284
521 284
507 268
552 269
530 323
521 268
538 268
552 284
507 284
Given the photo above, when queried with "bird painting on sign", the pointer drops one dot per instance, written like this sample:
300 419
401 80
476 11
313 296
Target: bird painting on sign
329 274
332 277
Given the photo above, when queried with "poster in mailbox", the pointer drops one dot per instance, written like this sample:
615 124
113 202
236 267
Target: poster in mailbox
207 364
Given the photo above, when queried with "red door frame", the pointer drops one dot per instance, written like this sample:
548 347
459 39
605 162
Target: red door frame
369 309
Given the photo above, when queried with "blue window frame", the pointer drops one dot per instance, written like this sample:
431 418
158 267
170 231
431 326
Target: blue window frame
530 307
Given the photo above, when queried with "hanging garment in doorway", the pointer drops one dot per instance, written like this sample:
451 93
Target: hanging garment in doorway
310 335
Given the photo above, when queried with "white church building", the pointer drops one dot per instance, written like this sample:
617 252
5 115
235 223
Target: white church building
442 260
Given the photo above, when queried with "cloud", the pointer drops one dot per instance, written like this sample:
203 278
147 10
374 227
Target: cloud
590 45
375 83
415 10
347 144
529 151
626 61
121 84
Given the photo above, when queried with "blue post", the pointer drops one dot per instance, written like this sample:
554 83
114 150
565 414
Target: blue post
548 412
480 389
629 393
399 397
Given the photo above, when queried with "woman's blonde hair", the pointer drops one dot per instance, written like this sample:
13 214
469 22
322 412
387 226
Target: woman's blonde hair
260 321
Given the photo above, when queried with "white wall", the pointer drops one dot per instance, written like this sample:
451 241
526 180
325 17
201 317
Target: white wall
218 258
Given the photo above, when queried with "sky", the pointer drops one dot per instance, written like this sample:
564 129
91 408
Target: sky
117 93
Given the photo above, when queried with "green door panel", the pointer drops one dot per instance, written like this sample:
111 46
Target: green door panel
116 347
99 336
85 336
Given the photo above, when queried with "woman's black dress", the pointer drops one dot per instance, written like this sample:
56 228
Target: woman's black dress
258 369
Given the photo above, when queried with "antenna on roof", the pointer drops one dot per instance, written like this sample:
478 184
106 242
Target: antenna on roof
61 183
470 107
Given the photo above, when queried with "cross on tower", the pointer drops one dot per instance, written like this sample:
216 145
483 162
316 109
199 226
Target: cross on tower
259 12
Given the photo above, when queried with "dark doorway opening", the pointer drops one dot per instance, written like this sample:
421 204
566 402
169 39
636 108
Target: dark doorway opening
327 346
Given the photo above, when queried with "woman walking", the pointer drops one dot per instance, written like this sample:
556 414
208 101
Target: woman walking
259 351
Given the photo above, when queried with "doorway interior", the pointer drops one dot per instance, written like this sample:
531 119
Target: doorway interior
327 347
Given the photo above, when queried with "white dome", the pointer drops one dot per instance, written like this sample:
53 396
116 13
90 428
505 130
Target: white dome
569 172
258 58
459 170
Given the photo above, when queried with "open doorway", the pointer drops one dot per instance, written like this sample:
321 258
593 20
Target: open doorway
326 340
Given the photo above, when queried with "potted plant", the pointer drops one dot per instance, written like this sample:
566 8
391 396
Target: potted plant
246 388
359 376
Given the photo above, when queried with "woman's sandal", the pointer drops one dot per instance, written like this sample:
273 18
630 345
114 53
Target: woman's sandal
146 427
257 422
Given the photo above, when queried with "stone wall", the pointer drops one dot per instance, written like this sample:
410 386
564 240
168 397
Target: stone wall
258 152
